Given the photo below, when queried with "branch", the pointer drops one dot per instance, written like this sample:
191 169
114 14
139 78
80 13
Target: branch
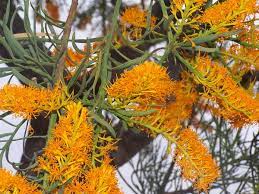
65 38
25 35
166 177
184 191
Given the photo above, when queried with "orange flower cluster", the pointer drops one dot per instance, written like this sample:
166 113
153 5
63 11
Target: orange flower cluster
148 86
15 184
136 19
67 152
98 180
145 83
29 102
246 57
73 58
186 13
102 180
76 186
72 61
103 146
234 103
228 13
180 3
170 116
53 9
181 108
195 161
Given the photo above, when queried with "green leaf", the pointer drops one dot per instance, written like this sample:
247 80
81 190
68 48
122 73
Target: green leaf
135 113
132 62
24 79
104 123
15 46
7 12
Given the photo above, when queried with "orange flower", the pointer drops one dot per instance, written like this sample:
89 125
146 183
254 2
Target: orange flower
76 186
234 103
29 102
228 13
135 18
102 180
53 10
103 146
98 180
145 83
67 152
169 116
179 110
186 13
196 163
15 184
246 58
193 4
149 87
73 58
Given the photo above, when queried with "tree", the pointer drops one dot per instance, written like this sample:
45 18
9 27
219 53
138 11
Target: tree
77 93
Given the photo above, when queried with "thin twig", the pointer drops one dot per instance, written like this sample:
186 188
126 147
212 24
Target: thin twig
143 4
126 182
184 191
166 177
25 35
65 38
